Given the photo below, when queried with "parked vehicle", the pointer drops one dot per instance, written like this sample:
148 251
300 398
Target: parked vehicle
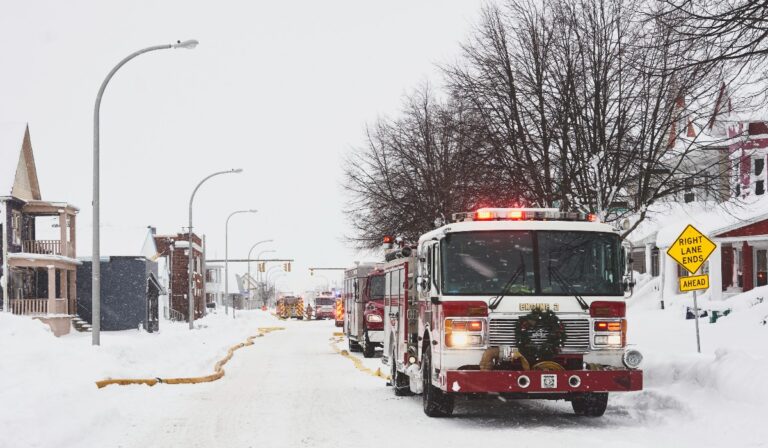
290 307
364 306
339 312
324 306
520 303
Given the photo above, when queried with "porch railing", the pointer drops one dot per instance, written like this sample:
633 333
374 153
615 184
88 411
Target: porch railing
45 247
29 306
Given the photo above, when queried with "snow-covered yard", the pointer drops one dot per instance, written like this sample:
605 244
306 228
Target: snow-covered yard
291 388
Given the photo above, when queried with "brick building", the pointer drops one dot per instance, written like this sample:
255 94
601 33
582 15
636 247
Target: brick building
174 248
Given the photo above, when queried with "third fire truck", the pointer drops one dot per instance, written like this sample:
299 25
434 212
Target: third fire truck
364 308
517 303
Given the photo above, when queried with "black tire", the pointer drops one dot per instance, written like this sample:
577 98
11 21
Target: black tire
436 402
369 349
354 346
591 404
400 382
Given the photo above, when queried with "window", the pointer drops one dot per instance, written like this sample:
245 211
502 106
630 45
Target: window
761 267
689 195
758 173
16 227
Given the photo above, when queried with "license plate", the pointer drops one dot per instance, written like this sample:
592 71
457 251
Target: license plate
549 381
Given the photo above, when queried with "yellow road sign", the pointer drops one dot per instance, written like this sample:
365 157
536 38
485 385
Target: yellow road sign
691 249
694 283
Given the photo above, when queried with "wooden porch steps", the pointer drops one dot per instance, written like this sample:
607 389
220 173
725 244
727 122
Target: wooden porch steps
81 325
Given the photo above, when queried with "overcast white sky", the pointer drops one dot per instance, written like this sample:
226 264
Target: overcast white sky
281 89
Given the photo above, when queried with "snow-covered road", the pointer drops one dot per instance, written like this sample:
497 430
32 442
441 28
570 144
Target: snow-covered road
292 389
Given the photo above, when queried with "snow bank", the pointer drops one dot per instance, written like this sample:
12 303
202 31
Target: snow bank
48 393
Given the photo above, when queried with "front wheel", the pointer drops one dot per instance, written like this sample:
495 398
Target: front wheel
354 346
400 382
591 404
436 402
369 349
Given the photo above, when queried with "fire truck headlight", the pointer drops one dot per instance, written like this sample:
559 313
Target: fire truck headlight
462 339
612 340
463 333
373 318
632 358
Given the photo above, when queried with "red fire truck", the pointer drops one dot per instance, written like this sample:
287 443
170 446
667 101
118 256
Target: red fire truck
364 308
519 303
324 305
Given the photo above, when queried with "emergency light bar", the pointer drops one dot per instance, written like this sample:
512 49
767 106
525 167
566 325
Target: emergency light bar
523 214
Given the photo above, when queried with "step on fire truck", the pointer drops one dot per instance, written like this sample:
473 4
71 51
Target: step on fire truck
290 307
517 303
364 308
324 305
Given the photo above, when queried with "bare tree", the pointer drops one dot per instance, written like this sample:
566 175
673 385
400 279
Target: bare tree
584 105
421 166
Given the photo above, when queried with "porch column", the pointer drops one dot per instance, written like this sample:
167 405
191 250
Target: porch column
648 258
716 273
670 285
73 236
747 268
51 289
63 234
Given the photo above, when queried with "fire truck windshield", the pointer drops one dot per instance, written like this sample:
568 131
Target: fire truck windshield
377 287
325 301
509 263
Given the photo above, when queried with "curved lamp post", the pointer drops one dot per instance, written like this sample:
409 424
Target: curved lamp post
96 250
190 270
251 250
226 257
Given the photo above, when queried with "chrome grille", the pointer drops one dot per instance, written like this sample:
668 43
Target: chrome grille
502 332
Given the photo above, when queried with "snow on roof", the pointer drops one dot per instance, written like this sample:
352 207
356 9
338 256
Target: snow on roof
11 140
665 221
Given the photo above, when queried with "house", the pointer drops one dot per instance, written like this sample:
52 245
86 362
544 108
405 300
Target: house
736 219
130 293
214 283
38 239
174 249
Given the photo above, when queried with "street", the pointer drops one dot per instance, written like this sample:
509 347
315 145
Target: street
291 388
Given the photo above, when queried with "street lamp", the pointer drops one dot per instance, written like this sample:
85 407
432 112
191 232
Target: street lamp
190 270
251 250
226 257
96 250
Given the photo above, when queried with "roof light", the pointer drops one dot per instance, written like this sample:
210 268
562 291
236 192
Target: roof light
484 215
515 214
388 239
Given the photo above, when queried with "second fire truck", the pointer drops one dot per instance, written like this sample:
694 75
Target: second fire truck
517 303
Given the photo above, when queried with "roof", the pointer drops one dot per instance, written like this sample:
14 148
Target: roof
11 140
665 221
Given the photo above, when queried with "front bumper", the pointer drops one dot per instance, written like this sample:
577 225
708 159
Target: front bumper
376 336
324 314
506 381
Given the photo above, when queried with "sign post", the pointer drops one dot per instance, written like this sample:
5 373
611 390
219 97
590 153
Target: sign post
691 249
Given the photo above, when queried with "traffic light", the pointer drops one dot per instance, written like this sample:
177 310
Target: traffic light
287 266
262 267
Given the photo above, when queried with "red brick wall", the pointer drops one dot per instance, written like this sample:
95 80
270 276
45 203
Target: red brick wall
179 280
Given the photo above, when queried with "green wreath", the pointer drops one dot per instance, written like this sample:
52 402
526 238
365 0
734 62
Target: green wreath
546 322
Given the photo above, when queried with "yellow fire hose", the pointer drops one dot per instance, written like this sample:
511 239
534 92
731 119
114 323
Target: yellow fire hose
218 369
339 337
